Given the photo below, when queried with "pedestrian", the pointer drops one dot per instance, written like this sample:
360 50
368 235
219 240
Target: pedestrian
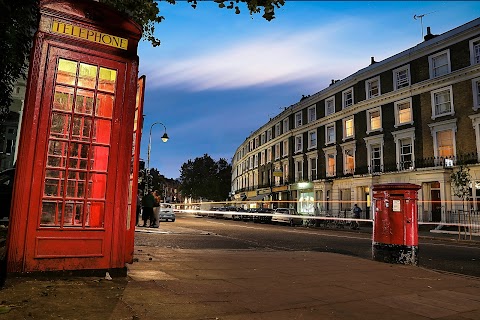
139 208
148 201
356 214
154 221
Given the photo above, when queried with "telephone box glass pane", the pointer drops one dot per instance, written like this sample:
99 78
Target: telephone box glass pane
84 102
97 186
81 128
54 183
87 76
99 158
51 213
78 158
76 184
60 127
57 154
67 72
101 131
63 98
104 106
73 214
95 214
107 79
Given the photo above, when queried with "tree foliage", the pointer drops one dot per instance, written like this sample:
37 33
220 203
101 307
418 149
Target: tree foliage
206 178
20 20
461 182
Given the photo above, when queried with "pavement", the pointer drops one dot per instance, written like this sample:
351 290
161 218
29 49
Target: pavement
172 283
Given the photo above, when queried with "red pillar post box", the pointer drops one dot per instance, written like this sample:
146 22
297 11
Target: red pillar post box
71 195
395 228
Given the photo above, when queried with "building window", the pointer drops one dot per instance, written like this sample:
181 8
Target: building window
298 143
374 120
285 148
269 155
312 114
401 77
277 151
312 139
312 169
375 153
250 165
330 133
262 158
348 128
476 93
285 125
442 102
347 98
329 106
404 148
372 87
285 172
443 134
262 138
269 134
475 51
298 170
257 142
256 160
403 112
298 119
439 64
330 161
278 132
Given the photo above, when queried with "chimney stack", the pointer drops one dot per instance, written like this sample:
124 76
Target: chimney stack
429 35
372 60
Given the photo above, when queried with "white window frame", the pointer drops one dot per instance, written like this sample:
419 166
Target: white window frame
327 126
474 56
476 93
298 143
298 119
344 105
368 88
269 134
395 77
277 151
398 137
330 151
262 158
298 163
255 161
397 105
278 131
309 135
476 126
257 142
431 60
269 155
344 127
369 120
443 126
370 142
312 116
285 148
332 100
262 138
311 175
285 171
285 125
433 94
345 147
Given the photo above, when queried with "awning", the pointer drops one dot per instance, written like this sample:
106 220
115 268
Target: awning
257 197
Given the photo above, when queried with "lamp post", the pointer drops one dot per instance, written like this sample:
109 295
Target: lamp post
164 139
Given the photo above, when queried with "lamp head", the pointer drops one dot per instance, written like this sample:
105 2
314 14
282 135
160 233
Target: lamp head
165 137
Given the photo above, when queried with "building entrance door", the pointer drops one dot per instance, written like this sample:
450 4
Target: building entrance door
436 206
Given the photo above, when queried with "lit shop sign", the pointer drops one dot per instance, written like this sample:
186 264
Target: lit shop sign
90 35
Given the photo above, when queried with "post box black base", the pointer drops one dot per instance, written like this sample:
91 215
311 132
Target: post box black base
394 253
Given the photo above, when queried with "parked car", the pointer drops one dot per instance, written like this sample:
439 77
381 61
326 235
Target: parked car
263 218
166 212
6 191
287 215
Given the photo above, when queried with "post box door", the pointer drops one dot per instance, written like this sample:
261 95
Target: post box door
397 219
73 189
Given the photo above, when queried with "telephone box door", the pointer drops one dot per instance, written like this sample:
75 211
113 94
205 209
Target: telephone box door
81 104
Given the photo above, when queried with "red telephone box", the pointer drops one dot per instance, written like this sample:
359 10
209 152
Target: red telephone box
71 193
395 228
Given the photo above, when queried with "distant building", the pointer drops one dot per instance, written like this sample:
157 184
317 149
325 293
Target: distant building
411 118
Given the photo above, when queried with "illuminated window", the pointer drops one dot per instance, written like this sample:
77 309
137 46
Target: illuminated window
348 128
374 118
403 112
330 161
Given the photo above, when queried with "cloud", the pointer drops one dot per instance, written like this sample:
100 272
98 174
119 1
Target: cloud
266 60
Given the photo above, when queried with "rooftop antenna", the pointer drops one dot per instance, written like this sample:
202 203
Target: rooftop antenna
420 16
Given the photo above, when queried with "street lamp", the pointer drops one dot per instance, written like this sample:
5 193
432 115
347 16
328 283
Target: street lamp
164 139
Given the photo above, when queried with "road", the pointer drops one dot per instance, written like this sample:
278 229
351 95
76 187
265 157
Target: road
189 232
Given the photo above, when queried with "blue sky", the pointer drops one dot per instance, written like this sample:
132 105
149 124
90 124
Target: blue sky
218 76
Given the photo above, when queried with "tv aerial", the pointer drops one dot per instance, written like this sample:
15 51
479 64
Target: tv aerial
420 16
